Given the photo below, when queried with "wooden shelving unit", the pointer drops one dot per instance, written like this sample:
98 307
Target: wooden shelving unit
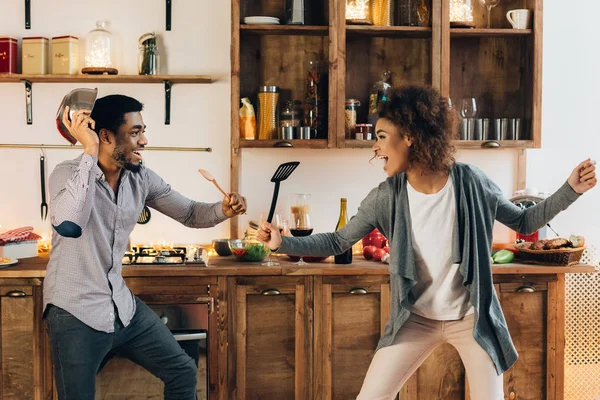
280 143
500 67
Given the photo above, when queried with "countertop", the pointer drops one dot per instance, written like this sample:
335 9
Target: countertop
228 266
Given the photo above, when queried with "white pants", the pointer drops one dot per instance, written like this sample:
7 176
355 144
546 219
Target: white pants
392 366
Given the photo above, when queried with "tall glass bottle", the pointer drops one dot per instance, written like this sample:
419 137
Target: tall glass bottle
346 256
379 94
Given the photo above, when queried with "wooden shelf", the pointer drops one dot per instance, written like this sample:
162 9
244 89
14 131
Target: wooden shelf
106 78
484 32
395 31
284 30
460 144
302 144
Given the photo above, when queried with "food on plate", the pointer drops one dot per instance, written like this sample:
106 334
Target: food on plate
578 241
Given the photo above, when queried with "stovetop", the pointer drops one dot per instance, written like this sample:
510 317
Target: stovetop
148 255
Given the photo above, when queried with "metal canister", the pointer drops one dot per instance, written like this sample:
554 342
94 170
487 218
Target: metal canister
268 112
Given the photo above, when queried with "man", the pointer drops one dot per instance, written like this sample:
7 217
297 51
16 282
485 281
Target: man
96 200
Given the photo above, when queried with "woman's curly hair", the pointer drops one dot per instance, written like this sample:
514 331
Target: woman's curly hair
423 114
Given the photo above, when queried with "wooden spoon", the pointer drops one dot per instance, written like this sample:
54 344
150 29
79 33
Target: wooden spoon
208 176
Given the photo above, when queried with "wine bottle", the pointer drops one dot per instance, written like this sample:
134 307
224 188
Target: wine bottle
346 256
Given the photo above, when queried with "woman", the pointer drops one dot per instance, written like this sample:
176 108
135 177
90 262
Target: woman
438 216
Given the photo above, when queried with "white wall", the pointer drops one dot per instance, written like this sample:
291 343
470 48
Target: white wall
199 44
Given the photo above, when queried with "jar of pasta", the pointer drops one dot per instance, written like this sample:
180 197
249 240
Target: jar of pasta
350 120
268 112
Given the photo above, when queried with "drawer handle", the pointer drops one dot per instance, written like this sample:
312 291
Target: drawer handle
512 396
491 144
270 292
525 289
358 291
16 293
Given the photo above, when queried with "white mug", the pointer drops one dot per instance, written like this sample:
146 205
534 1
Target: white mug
519 19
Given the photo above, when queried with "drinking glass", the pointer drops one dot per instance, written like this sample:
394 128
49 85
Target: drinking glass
278 223
468 107
489 4
300 224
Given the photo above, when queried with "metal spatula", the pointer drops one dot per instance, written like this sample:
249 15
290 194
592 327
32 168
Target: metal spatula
282 173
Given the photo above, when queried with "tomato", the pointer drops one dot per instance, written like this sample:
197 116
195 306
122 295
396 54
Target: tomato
387 249
239 252
377 254
368 252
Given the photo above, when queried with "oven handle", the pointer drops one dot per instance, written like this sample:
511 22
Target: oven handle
184 337
209 300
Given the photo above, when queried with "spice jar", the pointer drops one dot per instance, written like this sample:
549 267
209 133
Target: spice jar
290 116
364 132
350 120
268 112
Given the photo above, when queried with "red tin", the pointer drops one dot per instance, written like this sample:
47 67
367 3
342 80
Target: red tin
8 55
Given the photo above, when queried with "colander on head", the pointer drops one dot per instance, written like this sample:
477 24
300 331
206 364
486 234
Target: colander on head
76 99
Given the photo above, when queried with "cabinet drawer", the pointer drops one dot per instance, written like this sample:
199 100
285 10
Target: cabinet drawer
16 291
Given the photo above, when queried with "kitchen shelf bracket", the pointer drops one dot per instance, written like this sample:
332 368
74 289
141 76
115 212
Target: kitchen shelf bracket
28 101
168 5
27 14
167 102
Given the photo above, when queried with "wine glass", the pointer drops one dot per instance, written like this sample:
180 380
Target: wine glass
468 107
279 223
489 4
300 224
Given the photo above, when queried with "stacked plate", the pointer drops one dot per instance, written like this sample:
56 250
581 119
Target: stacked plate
261 20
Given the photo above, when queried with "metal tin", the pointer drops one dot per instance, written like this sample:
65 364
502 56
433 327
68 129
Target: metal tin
364 132
65 55
8 55
305 132
34 55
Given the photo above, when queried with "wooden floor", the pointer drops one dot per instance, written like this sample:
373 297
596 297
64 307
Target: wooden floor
121 379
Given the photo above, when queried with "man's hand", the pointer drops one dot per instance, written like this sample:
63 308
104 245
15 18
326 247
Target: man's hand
269 235
234 204
583 177
81 127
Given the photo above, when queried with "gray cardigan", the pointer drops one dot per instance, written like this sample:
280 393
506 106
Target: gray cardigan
479 202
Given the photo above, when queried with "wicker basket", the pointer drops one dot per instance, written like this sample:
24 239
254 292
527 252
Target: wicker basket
563 256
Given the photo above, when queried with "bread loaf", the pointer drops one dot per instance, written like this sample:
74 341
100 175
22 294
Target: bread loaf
578 241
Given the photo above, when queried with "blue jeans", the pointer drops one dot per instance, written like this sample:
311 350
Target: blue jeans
78 353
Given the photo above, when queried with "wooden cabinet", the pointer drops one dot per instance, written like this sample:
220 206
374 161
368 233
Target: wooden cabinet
24 349
350 315
531 306
270 338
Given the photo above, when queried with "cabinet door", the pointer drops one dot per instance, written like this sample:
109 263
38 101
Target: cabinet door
270 338
526 304
350 314
23 350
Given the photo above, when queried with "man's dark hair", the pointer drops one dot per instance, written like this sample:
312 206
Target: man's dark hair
109 111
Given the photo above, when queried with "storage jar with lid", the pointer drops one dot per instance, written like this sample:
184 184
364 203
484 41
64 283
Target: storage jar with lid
268 112
364 132
65 55
34 55
8 55
290 115
351 113
98 49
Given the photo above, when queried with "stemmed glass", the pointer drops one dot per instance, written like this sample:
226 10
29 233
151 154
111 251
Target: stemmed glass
468 107
300 224
279 223
489 4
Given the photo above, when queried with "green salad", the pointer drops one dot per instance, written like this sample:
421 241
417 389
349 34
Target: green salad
250 251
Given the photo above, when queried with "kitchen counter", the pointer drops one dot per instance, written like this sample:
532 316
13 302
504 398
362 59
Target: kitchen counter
228 266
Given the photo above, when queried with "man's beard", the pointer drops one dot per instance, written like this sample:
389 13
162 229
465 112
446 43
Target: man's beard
120 156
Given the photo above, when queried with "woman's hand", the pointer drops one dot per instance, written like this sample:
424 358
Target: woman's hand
583 177
234 204
82 128
269 235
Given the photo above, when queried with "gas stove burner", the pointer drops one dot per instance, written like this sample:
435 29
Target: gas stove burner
148 255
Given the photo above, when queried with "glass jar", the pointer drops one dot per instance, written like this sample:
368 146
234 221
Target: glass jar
358 12
268 112
98 47
364 132
290 116
379 94
461 13
413 13
148 58
351 113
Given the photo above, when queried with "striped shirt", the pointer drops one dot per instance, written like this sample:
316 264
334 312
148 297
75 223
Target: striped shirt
83 275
